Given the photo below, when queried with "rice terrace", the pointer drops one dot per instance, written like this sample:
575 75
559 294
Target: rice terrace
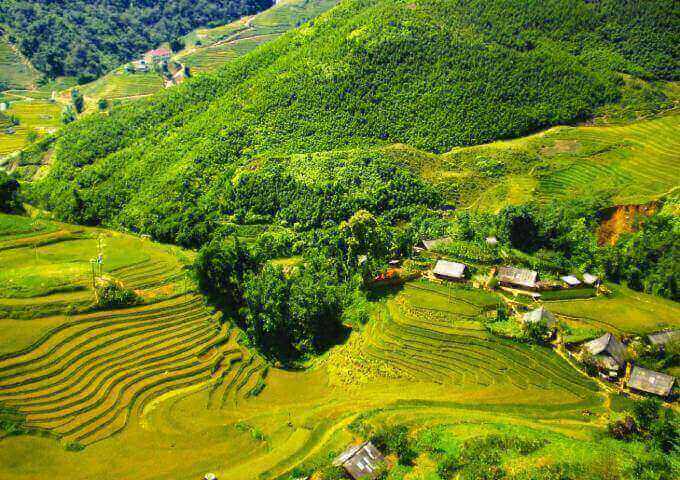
340 239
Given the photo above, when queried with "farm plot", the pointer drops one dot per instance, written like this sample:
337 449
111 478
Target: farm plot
15 72
118 85
38 116
441 340
79 373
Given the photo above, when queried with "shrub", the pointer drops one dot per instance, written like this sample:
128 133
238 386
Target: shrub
395 440
112 294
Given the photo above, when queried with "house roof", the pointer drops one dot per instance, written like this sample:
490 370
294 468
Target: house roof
590 279
159 52
608 344
518 276
491 240
571 280
650 381
430 244
538 315
662 338
449 269
360 461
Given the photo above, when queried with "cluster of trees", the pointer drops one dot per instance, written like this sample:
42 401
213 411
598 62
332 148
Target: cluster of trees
9 193
649 422
293 312
161 162
563 237
87 38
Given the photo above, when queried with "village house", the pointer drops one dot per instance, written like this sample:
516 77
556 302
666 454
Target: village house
210 476
518 278
571 281
158 55
430 244
649 381
491 241
540 314
609 353
140 66
453 271
660 339
591 280
361 461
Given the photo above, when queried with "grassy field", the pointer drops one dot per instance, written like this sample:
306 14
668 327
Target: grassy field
40 116
162 391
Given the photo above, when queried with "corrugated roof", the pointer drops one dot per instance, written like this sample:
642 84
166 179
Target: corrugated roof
571 280
430 244
360 461
518 276
491 240
650 381
590 279
538 315
608 344
449 269
662 338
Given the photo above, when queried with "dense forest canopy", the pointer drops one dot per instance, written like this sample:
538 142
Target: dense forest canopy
79 37
431 73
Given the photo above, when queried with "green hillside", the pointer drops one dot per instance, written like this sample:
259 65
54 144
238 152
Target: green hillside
362 75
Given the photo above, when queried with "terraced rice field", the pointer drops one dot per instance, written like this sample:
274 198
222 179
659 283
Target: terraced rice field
639 161
222 44
14 71
119 85
80 374
40 116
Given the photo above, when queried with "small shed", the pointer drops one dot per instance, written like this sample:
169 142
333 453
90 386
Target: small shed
210 476
591 280
649 381
608 351
540 314
360 461
518 278
450 270
394 263
660 339
571 281
491 241
433 243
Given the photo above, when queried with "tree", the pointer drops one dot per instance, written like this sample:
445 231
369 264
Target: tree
78 100
9 193
103 104
176 45
517 225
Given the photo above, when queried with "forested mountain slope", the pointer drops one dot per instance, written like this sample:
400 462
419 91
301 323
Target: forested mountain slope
434 74
92 36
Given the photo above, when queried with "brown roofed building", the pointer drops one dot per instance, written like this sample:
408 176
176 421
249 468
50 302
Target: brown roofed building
361 461
518 278
608 351
450 270
540 314
649 381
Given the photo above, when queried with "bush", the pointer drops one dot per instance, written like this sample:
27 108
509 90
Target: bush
395 440
112 294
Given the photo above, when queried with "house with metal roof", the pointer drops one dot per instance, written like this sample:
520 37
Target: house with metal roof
649 381
591 280
540 314
608 351
433 243
518 278
450 270
660 339
361 461
571 281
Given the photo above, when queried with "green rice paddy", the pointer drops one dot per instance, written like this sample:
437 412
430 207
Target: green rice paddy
14 71
40 116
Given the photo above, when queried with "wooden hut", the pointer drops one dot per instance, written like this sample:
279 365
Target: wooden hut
361 461
609 353
518 278
453 271
649 381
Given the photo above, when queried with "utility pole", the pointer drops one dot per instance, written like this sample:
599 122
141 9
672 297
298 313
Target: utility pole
92 261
